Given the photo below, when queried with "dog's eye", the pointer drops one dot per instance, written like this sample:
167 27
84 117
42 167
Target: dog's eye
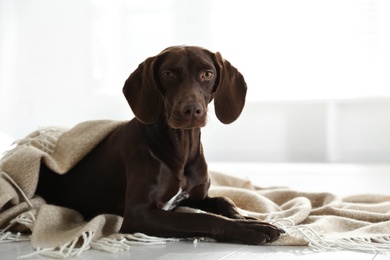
207 74
168 75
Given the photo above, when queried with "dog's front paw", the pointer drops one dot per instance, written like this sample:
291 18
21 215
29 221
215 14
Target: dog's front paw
254 232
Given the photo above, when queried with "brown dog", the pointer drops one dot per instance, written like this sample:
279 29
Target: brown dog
154 163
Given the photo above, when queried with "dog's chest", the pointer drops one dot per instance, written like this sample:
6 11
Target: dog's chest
175 200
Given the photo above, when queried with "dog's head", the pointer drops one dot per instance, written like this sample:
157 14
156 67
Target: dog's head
179 83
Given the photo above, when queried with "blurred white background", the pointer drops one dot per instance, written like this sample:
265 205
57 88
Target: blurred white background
318 72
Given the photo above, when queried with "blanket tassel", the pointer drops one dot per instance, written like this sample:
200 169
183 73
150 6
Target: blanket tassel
27 219
375 244
114 245
65 251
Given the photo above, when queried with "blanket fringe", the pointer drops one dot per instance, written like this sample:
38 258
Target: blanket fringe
110 245
368 244
308 234
27 219
45 140
7 237
67 250
124 243
375 244
113 245
142 239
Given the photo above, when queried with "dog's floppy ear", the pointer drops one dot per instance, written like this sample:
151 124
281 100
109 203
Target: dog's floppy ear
142 93
230 93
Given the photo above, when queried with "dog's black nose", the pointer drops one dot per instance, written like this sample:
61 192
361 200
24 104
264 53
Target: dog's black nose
192 110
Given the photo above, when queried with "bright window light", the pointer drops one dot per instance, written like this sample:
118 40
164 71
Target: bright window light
303 49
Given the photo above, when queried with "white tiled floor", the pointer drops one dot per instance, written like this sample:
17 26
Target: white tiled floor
339 179
201 251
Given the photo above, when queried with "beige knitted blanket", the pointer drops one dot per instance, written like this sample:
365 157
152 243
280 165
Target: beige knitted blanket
318 220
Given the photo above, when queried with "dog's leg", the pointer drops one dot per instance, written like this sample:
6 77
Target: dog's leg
218 205
221 206
177 224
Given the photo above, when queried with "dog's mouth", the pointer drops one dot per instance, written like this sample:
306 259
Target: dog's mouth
182 123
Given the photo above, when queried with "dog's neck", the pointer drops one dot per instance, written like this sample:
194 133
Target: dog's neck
173 146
